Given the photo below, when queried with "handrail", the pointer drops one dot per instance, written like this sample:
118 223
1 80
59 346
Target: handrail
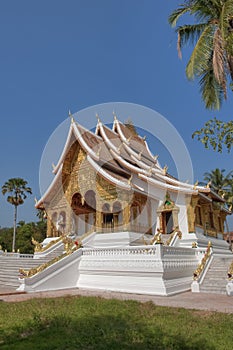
201 267
39 248
174 234
70 247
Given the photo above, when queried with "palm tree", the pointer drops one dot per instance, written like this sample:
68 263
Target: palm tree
219 182
17 189
212 58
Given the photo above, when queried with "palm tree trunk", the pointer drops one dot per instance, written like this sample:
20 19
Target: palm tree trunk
14 229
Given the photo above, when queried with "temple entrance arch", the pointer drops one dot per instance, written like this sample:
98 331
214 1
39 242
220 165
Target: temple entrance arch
117 214
84 210
168 215
167 221
107 221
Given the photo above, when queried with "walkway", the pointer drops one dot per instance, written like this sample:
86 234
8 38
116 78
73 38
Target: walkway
188 300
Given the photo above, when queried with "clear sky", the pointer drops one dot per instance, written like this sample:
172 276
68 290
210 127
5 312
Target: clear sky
57 55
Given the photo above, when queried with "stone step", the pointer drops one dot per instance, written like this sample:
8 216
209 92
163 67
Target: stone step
216 277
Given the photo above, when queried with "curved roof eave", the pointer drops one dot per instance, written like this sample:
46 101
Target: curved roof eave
65 149
167 186
49 189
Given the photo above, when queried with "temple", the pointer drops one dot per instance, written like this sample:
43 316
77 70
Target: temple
108 181
119 221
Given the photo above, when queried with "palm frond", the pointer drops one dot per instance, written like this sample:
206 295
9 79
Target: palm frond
199 60
188 33
212 93
176 14
219 61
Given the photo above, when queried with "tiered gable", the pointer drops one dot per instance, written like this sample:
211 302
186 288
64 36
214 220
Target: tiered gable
113 166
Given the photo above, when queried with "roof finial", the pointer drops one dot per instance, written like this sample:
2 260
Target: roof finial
150 170
71 116
114 115
98 151
98 118
144 138
129 179
128 140
208 185
195 185
165 169
54 166
35 199
156 157
119 148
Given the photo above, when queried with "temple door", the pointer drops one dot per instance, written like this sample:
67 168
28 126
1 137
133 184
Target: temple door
167 222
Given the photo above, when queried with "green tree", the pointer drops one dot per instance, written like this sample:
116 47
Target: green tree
215 134
218 181
18 190
222 184
25 232
212 58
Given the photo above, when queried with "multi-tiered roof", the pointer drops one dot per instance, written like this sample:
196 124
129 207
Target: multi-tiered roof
122 157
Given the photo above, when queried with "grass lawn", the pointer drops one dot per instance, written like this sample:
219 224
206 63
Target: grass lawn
72 323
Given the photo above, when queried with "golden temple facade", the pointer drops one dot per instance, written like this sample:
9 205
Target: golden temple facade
109 181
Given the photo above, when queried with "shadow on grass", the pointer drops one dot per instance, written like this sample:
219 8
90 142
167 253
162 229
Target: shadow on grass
97 333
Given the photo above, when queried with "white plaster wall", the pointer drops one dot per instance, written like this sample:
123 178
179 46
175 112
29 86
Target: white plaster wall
182 215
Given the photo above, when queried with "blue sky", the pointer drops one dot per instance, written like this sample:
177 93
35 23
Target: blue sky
61 55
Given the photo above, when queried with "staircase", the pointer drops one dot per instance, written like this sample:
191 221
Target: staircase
10 264
9 269
215 279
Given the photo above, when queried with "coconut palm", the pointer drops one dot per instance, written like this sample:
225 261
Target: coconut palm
212 58
218 181
17 189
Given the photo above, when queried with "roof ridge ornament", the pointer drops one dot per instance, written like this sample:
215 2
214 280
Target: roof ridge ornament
208 185
119 147
98 118
129 139
130 179
195 185
114 115
150 170
165 169
71 116
156 157
98 151
54 166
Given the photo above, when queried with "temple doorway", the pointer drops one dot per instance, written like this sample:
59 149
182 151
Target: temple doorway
168 222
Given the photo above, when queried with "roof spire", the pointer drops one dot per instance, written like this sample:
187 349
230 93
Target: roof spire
114 115
98 118
71 116
195 185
